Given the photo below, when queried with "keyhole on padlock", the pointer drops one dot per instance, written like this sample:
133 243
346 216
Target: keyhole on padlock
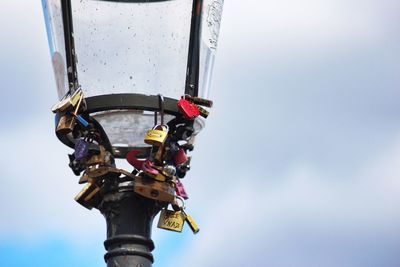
154 193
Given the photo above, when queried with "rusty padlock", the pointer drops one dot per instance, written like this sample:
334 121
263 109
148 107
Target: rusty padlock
153 189
66 124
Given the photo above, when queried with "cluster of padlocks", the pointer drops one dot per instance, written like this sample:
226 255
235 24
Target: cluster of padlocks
156 174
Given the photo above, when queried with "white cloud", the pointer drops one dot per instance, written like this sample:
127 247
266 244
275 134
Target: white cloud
271 221
288 27
38 186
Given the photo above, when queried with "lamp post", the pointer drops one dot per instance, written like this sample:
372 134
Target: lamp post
133 79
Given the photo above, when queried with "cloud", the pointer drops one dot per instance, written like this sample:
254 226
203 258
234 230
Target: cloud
306 218
38 186
293 25
298 164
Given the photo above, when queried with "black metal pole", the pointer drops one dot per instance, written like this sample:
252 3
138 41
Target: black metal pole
129 220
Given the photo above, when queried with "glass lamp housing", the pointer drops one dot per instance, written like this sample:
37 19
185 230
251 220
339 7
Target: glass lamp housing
147 47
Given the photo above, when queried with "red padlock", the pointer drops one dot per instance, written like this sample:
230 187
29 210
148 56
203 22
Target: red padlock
180 190
180 157
189 110
133 160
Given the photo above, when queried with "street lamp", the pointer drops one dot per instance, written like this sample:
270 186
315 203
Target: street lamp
133 79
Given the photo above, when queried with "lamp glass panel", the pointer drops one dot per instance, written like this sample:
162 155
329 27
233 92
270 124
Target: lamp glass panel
55 33
130 47
210 25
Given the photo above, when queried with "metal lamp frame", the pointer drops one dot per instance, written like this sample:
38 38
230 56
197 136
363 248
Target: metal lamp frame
140 102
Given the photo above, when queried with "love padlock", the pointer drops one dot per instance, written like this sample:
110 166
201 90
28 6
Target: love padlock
81 149
66 124
67 102
131 157
180 190
153 189
157 135
147 168
180 157
189 110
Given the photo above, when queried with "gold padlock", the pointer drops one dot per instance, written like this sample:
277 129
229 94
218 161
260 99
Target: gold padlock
157 135
203 112
66 124
99 171
103 158
159 154
84 179
199 101
192 224
153 189
67 102
87 196
171 220
159 177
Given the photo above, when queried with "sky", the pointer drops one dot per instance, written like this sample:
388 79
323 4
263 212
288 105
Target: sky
298 165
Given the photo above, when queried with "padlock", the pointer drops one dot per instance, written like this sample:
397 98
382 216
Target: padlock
84 179
81 149
159 154
66 124
104 158
67 102
184 132
153 189
96 172
171 220
169 171
189 110
192 224
180 190
131 157
88 196
182 169
76 166
151 170
180 157
203 112
148 168
79 118
199 101
157 135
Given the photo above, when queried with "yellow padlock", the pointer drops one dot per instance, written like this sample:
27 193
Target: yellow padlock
157 135
171 220
68 102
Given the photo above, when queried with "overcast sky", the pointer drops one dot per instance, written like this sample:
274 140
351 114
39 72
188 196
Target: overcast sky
298 166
